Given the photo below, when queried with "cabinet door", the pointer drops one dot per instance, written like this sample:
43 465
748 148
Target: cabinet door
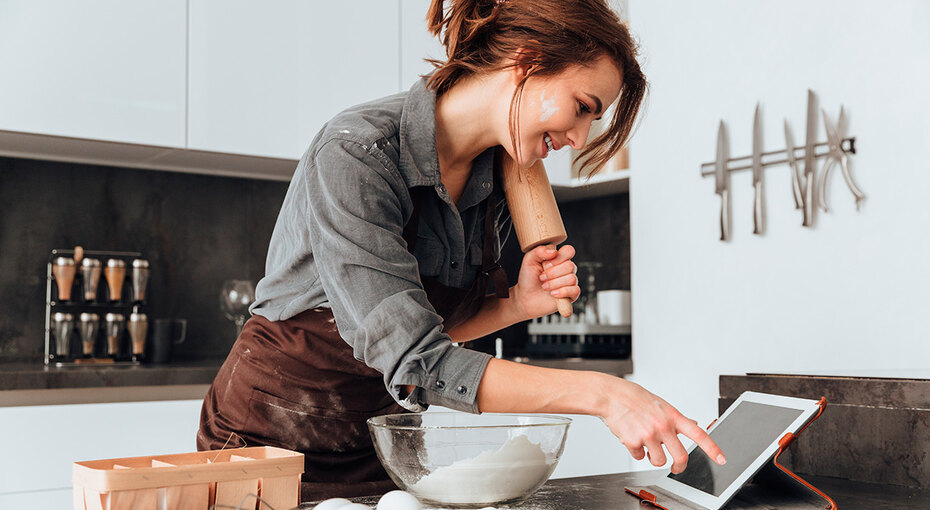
42 442
100 69
416 43
265 76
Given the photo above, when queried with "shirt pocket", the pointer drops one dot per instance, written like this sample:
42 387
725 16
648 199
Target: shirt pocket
429 253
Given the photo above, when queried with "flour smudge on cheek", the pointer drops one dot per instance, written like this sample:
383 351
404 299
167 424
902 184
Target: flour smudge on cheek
547 107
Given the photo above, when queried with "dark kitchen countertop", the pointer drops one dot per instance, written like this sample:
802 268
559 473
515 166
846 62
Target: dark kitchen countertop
605 492
34 376
35 384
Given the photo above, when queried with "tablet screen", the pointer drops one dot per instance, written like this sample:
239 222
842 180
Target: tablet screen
745 433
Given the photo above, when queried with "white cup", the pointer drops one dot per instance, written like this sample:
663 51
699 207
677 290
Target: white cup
613 307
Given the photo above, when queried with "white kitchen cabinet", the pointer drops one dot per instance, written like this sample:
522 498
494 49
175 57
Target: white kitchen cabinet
265 76
416 43
99 69
41 442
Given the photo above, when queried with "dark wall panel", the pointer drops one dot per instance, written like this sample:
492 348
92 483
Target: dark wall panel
196 231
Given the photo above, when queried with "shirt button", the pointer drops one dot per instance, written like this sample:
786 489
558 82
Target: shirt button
440 384
462 390
486 184
442 189
454 264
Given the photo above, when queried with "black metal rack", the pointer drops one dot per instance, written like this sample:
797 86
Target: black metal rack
102 305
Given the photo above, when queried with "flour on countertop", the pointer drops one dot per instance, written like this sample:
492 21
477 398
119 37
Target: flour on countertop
501 475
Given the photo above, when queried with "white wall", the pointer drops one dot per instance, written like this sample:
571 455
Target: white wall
853 292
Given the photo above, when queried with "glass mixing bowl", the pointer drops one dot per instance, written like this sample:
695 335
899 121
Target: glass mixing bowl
469 461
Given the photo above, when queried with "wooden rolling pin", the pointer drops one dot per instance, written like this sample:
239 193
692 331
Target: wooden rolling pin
535 213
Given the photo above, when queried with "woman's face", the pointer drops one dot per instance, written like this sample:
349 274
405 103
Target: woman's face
557 111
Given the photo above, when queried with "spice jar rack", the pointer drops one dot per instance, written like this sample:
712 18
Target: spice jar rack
93 299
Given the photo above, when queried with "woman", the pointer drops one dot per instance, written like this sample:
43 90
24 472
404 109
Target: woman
388 239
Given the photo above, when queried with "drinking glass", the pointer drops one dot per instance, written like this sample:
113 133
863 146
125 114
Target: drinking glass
235 298
589 297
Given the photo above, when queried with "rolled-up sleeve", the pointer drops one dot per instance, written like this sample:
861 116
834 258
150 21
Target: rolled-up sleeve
356 218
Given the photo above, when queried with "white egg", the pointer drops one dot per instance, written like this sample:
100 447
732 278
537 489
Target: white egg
333 504
355 506
399 500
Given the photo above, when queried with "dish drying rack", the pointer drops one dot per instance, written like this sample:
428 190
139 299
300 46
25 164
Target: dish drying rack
554 336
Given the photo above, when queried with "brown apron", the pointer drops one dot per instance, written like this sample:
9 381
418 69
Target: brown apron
295 384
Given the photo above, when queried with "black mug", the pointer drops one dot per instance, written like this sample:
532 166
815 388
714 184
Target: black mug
165 334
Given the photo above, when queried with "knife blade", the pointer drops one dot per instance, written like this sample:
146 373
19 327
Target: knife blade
796 184
809 161
757 218
721 181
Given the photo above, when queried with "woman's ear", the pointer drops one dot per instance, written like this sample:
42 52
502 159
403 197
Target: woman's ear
525 61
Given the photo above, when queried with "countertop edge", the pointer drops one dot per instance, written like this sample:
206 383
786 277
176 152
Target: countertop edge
105 395
24 378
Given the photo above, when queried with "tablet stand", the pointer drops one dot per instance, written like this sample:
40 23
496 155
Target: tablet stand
774 486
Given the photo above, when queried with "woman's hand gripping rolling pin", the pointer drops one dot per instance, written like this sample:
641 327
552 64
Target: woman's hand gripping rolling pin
545 274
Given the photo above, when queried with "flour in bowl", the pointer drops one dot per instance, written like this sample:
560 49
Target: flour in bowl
518 467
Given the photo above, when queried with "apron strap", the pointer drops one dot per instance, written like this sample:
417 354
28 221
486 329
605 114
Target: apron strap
489 265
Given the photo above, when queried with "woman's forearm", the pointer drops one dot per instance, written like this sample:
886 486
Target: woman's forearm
509 387
495 314
638 418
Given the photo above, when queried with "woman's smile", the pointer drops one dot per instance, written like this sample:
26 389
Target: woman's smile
547 145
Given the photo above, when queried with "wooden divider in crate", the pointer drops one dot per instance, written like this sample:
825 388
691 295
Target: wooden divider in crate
191 481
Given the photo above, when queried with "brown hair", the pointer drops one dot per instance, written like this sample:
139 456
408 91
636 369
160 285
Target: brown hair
484 35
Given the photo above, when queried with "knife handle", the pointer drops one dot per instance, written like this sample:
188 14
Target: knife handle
796 187
809 200
757 208
724 217
564 304
822 189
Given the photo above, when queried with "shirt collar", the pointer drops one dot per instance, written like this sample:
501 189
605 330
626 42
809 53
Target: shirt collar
419 162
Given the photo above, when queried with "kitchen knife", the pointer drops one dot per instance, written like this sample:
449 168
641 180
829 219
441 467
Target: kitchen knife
841 131
796 184
836 156
757 219
722 182
809 161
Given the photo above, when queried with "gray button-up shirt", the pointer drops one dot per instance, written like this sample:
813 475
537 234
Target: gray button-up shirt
338 243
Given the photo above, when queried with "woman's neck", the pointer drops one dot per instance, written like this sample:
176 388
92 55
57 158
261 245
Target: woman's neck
467 119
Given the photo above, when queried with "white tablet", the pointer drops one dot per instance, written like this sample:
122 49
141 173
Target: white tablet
748 433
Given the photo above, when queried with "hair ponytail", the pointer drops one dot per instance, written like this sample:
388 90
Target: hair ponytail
484 35
463 28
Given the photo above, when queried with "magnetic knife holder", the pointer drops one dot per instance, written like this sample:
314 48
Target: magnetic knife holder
847 145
